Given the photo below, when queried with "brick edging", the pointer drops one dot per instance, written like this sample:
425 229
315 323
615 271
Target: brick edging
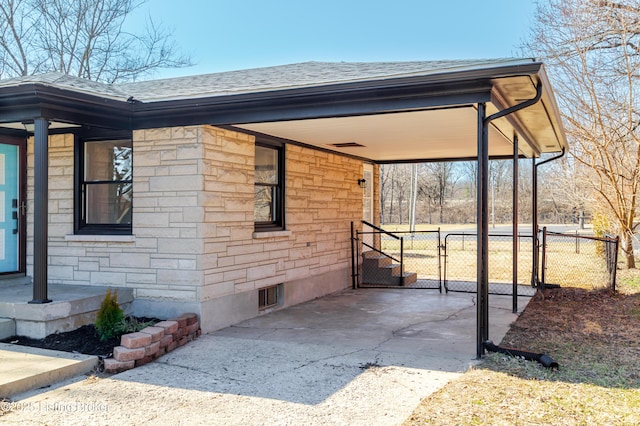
144 346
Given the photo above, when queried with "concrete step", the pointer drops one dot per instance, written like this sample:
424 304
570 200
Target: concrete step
410 278
23 368
7 328
376 262
389 274
370 253
71 307
379 269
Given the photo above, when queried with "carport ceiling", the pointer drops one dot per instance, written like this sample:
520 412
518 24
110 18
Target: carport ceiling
434 131
407 136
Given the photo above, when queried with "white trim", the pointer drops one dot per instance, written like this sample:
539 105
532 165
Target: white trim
101 238
270 234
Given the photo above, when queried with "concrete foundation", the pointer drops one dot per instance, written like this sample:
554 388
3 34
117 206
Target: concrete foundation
7 328
73 306
224 311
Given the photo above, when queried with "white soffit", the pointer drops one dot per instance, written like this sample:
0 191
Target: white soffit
421 135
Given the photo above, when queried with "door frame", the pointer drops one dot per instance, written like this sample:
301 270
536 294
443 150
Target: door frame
21 143
368 192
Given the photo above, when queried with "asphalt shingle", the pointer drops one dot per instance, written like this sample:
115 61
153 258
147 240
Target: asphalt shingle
307 74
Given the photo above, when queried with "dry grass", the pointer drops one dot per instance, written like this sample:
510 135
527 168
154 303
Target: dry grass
592 334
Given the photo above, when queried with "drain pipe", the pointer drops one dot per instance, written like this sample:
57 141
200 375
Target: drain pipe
536 261
483 211
543 359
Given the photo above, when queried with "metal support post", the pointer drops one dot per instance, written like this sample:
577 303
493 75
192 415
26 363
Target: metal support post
515 225
483 232
40 211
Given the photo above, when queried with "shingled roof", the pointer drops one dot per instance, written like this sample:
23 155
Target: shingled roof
307 74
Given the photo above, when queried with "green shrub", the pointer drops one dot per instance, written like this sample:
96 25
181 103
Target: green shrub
110 316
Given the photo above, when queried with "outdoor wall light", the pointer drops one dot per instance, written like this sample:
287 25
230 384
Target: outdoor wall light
362 183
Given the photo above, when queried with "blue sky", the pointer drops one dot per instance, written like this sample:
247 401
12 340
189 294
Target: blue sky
226 35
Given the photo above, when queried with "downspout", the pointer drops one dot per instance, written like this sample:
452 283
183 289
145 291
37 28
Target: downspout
536 261
482 332
514 224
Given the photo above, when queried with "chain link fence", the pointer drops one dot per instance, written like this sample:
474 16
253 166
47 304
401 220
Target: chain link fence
460 264
422 256
437 260
578 260
398 259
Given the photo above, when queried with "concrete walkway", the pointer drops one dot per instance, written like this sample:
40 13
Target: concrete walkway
357 357
24 368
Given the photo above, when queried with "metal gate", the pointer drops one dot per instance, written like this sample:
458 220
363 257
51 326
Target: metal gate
396 259
569 259
460 263
438 260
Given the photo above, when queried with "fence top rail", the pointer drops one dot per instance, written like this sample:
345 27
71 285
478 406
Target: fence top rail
473 234
583 237
436 231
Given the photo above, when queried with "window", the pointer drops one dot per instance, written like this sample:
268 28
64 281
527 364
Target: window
269 296
269 187
105 187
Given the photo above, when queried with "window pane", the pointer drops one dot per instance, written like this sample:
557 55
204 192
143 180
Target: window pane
264 203
108 160
266 165
108 203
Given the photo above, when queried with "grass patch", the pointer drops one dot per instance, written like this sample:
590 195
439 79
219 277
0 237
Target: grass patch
594 337
628 280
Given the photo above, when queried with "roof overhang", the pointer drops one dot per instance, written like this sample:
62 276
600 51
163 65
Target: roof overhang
417 117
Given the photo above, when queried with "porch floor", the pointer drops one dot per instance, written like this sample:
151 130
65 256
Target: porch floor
71 307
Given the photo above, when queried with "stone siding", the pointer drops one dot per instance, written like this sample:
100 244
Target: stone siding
193 229
322 198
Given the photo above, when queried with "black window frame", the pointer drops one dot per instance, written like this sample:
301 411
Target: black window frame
278 224
80 225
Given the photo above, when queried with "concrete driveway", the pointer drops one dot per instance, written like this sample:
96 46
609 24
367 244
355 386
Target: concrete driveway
358 357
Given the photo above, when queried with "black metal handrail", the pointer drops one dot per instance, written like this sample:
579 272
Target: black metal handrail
379 231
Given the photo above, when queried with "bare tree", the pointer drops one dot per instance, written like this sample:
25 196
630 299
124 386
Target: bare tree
84 38
593 50
438 183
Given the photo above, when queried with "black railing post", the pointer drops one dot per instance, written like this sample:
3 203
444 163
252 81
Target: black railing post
544 257
402 261
613 274
535 263
439 263
353 257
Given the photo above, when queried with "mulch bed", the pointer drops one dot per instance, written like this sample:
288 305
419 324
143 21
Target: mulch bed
83 340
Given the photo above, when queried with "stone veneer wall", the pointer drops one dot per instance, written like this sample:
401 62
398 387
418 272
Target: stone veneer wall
194 248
